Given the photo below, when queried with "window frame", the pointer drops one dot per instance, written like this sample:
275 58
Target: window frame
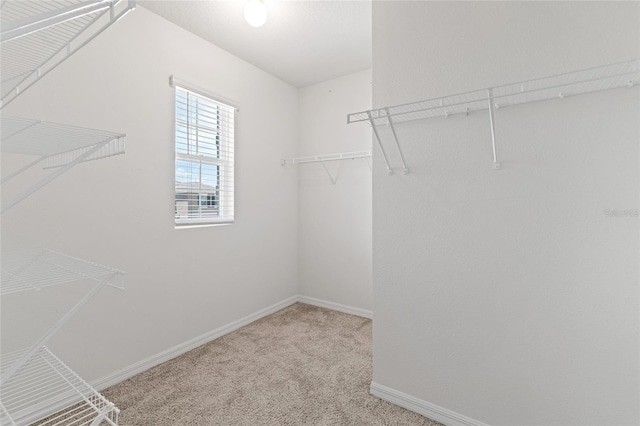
224 161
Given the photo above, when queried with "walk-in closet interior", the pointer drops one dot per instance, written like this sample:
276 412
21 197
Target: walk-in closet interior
275 212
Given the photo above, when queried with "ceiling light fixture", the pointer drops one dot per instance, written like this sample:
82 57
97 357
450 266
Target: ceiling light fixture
255 12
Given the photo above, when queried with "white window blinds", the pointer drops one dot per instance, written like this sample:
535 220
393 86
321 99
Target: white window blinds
204 137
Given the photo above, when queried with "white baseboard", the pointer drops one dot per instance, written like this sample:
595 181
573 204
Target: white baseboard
166 355
427 409
181 348
336 307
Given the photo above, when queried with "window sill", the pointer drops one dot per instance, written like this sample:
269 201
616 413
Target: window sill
202 225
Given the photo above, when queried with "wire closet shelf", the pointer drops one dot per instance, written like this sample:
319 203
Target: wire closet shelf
56 146
26 270
45 384
37 36
326 158
619 75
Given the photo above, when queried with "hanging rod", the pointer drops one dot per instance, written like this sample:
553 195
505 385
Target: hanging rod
327 157
560 86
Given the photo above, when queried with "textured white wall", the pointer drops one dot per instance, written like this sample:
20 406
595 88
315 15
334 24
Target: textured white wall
509 296
119 211
335 220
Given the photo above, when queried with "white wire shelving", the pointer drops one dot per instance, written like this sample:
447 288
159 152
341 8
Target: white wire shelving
44 385
613 76
37 36
326 158
26 270
56 146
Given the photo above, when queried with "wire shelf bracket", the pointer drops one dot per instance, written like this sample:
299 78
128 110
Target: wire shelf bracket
328 157
612 76
38 36
45 385
496 164
56 146
389 122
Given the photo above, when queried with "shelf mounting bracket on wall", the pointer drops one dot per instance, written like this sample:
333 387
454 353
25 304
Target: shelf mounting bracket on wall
333 180
405 170
384 154
496 164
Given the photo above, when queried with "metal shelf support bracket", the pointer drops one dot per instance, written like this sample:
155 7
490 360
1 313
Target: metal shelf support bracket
405 170
333 180
384 154
496 163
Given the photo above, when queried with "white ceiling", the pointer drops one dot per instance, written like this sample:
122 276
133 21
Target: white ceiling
302 43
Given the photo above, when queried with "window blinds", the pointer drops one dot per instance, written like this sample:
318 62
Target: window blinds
204 143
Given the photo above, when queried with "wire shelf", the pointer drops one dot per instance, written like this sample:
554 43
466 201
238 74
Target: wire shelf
328 157
623 74
45 385
37 36
57 143
612 76
26 270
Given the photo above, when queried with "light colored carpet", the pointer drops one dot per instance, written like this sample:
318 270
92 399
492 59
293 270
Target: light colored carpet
302 365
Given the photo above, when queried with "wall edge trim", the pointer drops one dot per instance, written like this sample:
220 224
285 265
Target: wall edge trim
427 409
181 348
336 307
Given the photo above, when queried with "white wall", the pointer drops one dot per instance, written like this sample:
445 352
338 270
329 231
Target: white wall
334 223
509 296
119 211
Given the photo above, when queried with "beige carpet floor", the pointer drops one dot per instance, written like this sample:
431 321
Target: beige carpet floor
302 365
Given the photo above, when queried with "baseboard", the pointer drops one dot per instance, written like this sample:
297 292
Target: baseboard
166 355
336 307
427 409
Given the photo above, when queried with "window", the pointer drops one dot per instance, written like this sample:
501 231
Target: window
204 137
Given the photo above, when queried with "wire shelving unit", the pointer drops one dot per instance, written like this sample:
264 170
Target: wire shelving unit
29 270
37 36
326 158
55 146
45 384
613 76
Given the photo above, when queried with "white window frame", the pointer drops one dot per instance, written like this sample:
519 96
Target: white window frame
225 163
